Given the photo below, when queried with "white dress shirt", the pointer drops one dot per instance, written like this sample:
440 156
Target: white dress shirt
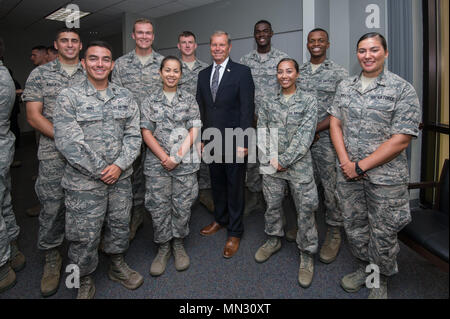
221 71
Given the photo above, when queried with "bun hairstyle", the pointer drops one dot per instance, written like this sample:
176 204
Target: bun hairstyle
373 35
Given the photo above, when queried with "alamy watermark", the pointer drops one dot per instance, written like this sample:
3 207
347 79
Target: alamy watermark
73 18
373 279
73 279
261 144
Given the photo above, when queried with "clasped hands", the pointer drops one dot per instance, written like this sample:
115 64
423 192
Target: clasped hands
349 171
111 174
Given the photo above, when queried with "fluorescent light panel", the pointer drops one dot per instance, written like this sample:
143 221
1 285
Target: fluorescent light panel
62 14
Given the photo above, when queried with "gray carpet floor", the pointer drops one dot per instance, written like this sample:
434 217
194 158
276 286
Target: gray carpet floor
210 276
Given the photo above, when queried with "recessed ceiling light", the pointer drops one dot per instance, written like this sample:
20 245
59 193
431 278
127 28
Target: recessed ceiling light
64 14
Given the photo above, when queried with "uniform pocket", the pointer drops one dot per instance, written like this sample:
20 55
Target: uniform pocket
396 213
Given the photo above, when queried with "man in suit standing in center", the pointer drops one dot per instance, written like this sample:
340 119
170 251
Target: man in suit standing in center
225 95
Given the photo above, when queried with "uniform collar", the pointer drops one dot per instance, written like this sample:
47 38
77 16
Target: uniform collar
270 54
135 60
297 97
56 66
161 97
90 90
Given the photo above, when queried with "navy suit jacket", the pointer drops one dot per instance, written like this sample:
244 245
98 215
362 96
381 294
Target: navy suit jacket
234 105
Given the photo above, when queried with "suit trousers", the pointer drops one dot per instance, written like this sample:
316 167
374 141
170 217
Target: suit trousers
228 188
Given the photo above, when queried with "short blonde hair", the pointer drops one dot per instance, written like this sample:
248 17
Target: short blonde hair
141 20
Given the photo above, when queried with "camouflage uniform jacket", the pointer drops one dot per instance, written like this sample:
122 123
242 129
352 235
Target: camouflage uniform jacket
296 122
7 97
369 118
264 73
43 85
322 83
189 78
139 79
93 133
163 118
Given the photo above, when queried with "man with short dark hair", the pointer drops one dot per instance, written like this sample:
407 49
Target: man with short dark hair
138 71
263 63
38 55
97 131
321 76
41 89
52 53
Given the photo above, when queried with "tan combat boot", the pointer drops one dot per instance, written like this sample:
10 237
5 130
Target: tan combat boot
87 288
52 272
331 245
380 293
306 270
160 262
17 259
137 220
355 280
121 273
7 277
182 260
270 247
205 197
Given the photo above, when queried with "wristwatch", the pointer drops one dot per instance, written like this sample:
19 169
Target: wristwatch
358 169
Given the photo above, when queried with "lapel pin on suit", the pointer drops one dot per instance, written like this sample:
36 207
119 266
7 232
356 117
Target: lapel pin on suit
228 70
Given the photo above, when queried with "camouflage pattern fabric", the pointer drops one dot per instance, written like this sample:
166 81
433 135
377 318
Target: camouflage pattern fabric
264 73
163 118
87 212
188 83
296 121
169 200
369 118
376 208
306 202
43 85
140 80
170 195
8 227
373 215
93 132
51 196
322 84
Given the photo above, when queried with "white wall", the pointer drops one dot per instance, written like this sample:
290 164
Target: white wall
236 17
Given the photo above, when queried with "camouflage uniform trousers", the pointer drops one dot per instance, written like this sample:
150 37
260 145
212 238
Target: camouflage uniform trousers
51 196
324 163
373 215
169 200
9 230
306 202
87 212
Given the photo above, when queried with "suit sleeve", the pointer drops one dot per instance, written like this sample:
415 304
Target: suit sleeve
247 102
201 105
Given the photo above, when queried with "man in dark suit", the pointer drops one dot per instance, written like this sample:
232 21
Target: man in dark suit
225 95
